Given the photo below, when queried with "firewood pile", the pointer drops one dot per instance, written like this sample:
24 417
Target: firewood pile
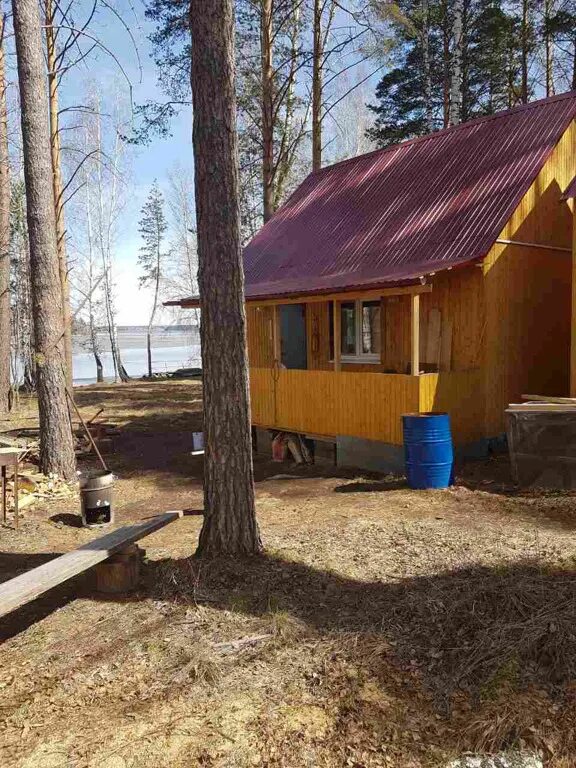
34 488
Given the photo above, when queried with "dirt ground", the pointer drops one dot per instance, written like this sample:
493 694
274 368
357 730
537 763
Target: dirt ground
382 626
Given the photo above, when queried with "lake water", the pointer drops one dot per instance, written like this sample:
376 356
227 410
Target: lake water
172 348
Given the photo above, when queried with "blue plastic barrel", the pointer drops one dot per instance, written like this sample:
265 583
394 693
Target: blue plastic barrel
428 450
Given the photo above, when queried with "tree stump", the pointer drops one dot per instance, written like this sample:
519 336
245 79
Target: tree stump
121 572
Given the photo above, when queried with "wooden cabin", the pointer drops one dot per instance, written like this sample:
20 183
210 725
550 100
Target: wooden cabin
434 275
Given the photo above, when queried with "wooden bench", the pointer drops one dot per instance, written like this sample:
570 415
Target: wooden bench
30 585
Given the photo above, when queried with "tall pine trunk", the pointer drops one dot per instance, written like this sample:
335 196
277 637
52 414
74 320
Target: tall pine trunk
267 108
446 32
524 46
56 446
426 73
230 524
456 72
51 60
4 236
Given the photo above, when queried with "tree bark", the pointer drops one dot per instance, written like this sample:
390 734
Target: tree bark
267 109
4 235
230 524
456 74
445 65
56 446
149 350
57 187
426 67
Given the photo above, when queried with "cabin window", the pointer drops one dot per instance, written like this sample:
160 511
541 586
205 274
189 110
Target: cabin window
361 331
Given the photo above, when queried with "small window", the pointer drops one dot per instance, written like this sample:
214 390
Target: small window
360 331
348 324
371 328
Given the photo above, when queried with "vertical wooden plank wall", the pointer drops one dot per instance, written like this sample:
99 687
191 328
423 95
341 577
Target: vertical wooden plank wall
459 393
344 403
458 294
260 335
528 294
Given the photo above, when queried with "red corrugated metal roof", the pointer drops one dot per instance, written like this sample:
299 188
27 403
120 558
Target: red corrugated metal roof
392 215
570 190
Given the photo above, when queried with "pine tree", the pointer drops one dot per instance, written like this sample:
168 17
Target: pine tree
459 60
152 228
230 525
56 442
411 94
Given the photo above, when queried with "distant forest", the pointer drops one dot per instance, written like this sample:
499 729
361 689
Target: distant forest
322 80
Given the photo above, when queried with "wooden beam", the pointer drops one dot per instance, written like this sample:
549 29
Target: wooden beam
30 585
276 338
337 335
367 295
415 335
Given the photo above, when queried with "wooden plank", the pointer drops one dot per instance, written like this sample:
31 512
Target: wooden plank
28 586
276 340
367 295
546 399
432 346
303 298
337 336
446 345
415 343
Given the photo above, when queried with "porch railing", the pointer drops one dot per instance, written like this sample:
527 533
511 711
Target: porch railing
368 405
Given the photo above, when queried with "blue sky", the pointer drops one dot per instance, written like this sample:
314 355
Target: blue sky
157 159
146 163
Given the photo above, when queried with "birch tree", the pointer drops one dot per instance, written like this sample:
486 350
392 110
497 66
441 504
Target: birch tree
182 274
230 525
56 442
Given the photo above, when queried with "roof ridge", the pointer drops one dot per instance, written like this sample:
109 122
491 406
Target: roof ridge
453 129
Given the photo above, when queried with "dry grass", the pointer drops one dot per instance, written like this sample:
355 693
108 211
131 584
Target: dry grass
383 627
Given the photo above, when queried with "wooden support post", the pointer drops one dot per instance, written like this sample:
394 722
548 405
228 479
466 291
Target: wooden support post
415 317
337 335
276 341
121 572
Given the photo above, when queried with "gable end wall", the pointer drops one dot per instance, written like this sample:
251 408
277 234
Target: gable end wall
528 294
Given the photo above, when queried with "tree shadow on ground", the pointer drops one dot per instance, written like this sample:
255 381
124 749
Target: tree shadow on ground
480 658
490 649
462 626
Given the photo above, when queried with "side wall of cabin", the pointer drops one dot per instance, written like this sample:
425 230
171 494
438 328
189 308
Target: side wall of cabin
451 323
528 294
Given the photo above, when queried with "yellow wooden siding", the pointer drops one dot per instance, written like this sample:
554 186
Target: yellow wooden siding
364 404
461 395
318 335
260 335
458 295
540 216
262 397
528 294
328 403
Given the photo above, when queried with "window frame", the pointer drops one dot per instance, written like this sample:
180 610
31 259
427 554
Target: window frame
371 358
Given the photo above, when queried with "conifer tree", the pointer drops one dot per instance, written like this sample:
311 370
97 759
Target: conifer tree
152 228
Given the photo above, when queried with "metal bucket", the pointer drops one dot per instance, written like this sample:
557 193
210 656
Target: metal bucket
96 493
428 450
